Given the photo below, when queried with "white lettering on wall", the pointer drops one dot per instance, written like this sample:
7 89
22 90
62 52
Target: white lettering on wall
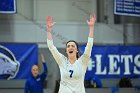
113 60
126 59
99 66
137 63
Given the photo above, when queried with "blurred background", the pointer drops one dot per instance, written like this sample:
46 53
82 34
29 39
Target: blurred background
27 25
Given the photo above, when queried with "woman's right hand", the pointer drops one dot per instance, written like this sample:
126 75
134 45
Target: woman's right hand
50 23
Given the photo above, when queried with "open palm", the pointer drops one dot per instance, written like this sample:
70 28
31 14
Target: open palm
92 21
50 23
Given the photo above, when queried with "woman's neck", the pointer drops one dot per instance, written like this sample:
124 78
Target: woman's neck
72 59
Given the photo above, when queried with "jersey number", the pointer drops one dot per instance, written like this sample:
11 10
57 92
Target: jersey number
71 72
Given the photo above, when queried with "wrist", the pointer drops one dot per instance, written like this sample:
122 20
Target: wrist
48 31
91 27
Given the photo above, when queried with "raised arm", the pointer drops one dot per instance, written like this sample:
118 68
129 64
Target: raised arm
50 24
44 63
57 56
88 49
91 23
44 74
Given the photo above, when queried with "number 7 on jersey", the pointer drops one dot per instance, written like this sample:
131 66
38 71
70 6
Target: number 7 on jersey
71 72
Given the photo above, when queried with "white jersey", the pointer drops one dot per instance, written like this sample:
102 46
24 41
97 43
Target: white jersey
72 75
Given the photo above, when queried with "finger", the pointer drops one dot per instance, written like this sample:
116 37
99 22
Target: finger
54 23
94 16
90 16
87 22
42 57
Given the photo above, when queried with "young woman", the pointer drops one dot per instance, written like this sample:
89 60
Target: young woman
72 67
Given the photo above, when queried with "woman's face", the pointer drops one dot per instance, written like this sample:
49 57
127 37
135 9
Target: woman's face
71 49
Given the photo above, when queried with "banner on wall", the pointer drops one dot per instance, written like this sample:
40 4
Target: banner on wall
7 6
16 60
113 62
127 7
